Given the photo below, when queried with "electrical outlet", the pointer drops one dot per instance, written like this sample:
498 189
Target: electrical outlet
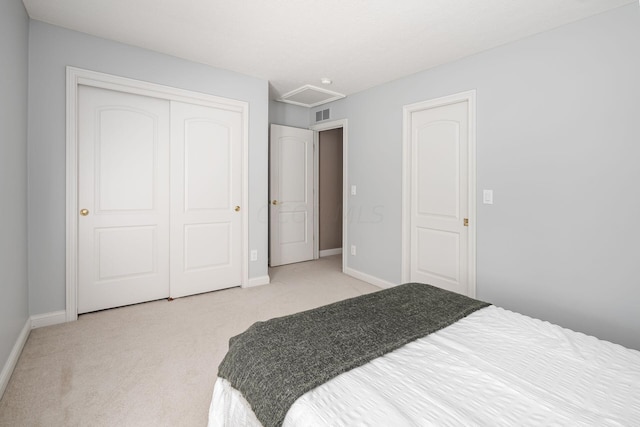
353 250
254 255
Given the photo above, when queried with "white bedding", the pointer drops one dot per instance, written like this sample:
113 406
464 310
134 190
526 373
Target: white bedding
494 367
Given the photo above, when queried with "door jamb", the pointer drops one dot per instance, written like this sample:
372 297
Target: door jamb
76 77
334 124
470 97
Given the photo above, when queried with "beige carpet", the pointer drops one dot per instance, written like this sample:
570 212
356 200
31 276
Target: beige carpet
154 364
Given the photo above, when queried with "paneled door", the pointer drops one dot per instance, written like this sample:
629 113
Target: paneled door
123 225
439 196
160 186
291 189
206 194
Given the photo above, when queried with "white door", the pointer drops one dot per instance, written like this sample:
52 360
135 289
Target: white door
439 147
206 194
291 190
123 176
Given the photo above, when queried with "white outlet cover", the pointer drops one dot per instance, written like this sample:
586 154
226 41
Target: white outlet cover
487 197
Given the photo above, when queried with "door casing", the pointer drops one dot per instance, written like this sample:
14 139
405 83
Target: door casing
76 77
470 98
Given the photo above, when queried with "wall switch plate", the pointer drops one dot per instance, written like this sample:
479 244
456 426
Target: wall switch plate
487 197
353 250
254 255
353 190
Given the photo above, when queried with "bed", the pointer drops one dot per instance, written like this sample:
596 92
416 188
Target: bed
477 364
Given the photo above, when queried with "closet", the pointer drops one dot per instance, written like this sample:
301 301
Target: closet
160 190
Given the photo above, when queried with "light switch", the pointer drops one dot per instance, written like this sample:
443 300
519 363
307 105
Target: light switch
487 197
353 190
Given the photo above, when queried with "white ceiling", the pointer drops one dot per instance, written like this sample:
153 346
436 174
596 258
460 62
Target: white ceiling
356 43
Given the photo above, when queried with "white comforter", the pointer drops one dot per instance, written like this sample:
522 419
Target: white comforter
494 367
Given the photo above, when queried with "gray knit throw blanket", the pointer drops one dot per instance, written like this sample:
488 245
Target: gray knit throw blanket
275 362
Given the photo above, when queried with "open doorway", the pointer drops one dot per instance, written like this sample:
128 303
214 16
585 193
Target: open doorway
331 226
294 182
330 165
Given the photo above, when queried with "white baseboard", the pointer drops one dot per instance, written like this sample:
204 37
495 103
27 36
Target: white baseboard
11 362
257 281
368 278
48 319
329 252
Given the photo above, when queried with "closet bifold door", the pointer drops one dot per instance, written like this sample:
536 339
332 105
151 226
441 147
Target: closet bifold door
123 198
206 194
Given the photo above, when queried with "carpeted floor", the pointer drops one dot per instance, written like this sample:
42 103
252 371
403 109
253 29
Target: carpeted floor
154 364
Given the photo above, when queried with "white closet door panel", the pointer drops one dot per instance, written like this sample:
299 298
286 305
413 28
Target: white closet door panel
123 180
206 194
206 246
126 251
208 149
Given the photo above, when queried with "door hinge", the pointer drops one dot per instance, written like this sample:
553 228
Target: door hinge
466 222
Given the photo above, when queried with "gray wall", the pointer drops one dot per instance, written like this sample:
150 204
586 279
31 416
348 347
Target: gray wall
14 309
558 140
51 50
281 113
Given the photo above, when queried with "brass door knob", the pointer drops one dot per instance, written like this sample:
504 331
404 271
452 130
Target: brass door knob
275 202
84 212
237 209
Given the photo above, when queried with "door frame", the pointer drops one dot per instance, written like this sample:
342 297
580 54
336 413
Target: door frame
76 77
334 124
407 110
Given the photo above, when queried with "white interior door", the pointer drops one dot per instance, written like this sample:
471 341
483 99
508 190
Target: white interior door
439 144
206 194
291 190
123 176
